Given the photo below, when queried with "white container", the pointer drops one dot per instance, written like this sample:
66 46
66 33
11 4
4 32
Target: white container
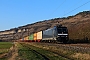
39 35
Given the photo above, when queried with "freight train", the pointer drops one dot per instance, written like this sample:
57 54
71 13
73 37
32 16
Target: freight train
56 34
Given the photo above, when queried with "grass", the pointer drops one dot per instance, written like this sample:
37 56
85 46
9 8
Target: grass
4 48
72 55
26 53
50 55
5 45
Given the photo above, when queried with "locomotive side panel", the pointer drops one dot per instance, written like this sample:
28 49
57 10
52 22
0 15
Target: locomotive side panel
49 34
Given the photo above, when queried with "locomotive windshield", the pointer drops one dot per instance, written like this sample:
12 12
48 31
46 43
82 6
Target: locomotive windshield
62 30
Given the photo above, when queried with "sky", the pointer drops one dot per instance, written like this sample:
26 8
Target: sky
15 13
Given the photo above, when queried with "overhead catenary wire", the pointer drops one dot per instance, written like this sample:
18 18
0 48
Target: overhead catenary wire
57 7
74 5
77 8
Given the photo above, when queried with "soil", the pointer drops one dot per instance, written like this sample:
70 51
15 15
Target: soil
15 52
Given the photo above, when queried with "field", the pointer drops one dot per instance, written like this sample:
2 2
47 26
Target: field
69 51
43 51
4 49
29 52
49 51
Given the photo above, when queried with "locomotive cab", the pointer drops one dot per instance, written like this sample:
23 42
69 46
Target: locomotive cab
62 34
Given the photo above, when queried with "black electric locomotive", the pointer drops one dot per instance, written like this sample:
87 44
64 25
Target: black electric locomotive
58 33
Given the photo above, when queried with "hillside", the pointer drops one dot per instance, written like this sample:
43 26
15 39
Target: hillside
78 26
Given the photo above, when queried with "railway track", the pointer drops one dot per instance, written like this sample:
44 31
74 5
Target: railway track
84 48
45 54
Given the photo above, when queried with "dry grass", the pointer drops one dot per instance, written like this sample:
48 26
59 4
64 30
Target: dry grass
80 56
67 53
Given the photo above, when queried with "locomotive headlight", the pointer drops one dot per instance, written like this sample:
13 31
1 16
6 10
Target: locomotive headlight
66 36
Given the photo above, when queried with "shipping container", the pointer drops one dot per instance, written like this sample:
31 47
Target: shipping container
31 37
27 38
39 36
35 36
